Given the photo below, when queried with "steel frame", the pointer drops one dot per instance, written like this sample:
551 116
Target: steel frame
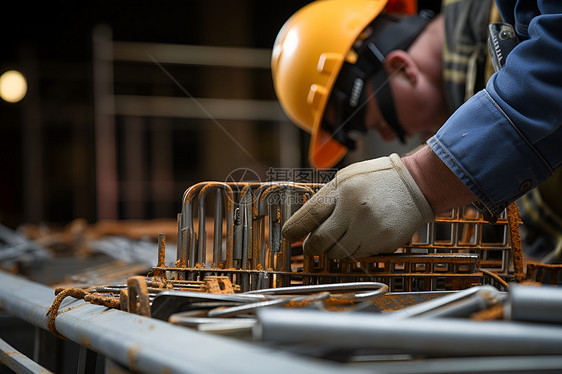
456 251
146 345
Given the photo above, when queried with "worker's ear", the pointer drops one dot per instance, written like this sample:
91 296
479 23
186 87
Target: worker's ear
399 60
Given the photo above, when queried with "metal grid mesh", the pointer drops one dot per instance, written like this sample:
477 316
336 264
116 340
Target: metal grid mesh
458 250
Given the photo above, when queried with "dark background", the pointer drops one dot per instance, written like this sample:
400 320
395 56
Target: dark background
51 43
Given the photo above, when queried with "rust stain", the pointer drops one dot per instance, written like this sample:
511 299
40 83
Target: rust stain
181 263
537 272
98 299
124 299
137 289
53 311
493 313
15 354
84 341
334 308
132 357
216 284
338 300
161 250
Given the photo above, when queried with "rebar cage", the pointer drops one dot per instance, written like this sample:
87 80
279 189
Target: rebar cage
457 250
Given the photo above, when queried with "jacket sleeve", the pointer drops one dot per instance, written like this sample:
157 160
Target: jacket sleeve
507 139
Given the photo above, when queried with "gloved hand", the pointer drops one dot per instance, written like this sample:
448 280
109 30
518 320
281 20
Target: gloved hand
370 207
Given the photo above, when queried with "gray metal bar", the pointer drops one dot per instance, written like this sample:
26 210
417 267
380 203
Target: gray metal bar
145 344
185 245
285 214
18 362
161 250
436 307
472 365
274 234
48 350
443 337
202 237
332 287
16 246
220 188
180 240
246 209
187 220
262 244
534 304
86 361
238 236
217 229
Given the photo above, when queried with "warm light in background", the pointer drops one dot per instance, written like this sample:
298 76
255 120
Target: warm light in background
13 86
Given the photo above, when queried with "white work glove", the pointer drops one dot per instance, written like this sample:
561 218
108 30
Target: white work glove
370 207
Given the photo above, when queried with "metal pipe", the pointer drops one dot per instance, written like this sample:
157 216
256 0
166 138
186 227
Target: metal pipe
217 242
286 245
147 345
202 232
464 307
187 219
274 234
180 243
202 193
247 220
334 287
18 362
441 337
161 250
238 235
242 235
449 305
262 244
185 245
273 207
471 365
534 304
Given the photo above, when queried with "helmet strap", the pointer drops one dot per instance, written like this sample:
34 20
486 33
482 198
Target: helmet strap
403 32
386 104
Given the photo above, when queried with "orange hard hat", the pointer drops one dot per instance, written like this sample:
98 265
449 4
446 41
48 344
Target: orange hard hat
307 57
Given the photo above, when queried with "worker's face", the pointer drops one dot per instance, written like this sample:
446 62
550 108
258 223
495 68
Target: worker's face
406 103
419 103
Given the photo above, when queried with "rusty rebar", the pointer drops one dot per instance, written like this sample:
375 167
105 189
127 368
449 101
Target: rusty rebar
52 312
161 250
138 301
515 241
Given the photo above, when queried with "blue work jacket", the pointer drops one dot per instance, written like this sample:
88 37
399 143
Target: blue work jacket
507 138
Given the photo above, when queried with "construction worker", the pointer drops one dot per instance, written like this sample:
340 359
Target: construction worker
341 67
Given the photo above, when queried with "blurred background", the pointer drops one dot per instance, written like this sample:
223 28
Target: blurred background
128 104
